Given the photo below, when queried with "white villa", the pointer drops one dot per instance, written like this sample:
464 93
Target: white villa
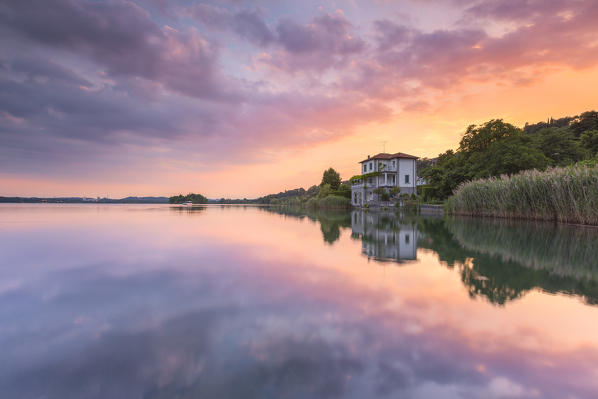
386 171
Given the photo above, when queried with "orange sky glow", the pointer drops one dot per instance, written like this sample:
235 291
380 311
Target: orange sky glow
244 108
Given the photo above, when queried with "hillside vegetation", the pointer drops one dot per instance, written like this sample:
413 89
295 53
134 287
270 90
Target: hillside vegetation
498 148
331 193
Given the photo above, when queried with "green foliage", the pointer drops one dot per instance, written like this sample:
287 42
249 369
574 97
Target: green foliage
559 146
424 163
479 138
382 193
394 191
334 202
325 190
332 178
584 122
511 155
589 141
425 193
323 196
194 198
550 123
566 194
344 190
311 203
498 148
362 178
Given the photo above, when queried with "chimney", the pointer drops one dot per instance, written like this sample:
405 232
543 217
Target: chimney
368 157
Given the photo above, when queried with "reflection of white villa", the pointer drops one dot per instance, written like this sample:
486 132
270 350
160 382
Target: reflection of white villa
384 237
386 171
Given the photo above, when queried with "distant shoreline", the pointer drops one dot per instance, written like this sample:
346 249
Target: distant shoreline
83 200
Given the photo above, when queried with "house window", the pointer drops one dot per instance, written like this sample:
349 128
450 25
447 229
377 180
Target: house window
370 166
407 238
365 168
406 179
393 164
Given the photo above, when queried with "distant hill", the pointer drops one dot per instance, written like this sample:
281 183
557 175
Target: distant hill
85 200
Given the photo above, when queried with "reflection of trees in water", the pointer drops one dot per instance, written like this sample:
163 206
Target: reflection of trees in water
194 209
564 250
503 260
497 259
331 221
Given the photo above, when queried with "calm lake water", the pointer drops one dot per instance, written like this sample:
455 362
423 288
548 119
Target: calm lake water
145 301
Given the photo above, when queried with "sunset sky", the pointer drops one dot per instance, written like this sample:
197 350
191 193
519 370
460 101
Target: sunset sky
244 98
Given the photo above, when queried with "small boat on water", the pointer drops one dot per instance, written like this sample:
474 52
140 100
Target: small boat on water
187 203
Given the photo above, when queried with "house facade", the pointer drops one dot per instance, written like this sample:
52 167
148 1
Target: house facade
391 172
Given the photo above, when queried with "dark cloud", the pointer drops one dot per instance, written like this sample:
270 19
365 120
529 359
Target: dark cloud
326 33
86 73
390 34
122 37
325 41
246 23
521 10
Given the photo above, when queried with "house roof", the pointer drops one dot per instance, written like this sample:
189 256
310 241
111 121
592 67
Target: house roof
384 155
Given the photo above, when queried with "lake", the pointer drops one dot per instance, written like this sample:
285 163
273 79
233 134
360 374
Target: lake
158 301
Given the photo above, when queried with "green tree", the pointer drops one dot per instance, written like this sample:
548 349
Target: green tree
589 142
194 198
332 178
479 138
344 190
584 122
559 145
510 156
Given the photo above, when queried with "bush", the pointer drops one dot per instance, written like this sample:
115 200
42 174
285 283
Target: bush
343 191
334 202
325 191
312 203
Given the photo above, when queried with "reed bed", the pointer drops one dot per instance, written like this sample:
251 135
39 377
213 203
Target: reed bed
568 195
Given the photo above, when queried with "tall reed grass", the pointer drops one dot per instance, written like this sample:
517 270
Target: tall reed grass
568 194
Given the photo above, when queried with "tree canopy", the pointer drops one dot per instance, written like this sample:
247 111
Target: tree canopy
496 147
194 198
332 178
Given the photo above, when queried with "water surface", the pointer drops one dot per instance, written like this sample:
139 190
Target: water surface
146 301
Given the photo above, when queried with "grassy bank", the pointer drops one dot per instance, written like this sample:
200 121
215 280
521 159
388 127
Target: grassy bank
567 194
329 202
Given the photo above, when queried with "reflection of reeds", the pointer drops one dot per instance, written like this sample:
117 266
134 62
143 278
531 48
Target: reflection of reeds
562 250
567 194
